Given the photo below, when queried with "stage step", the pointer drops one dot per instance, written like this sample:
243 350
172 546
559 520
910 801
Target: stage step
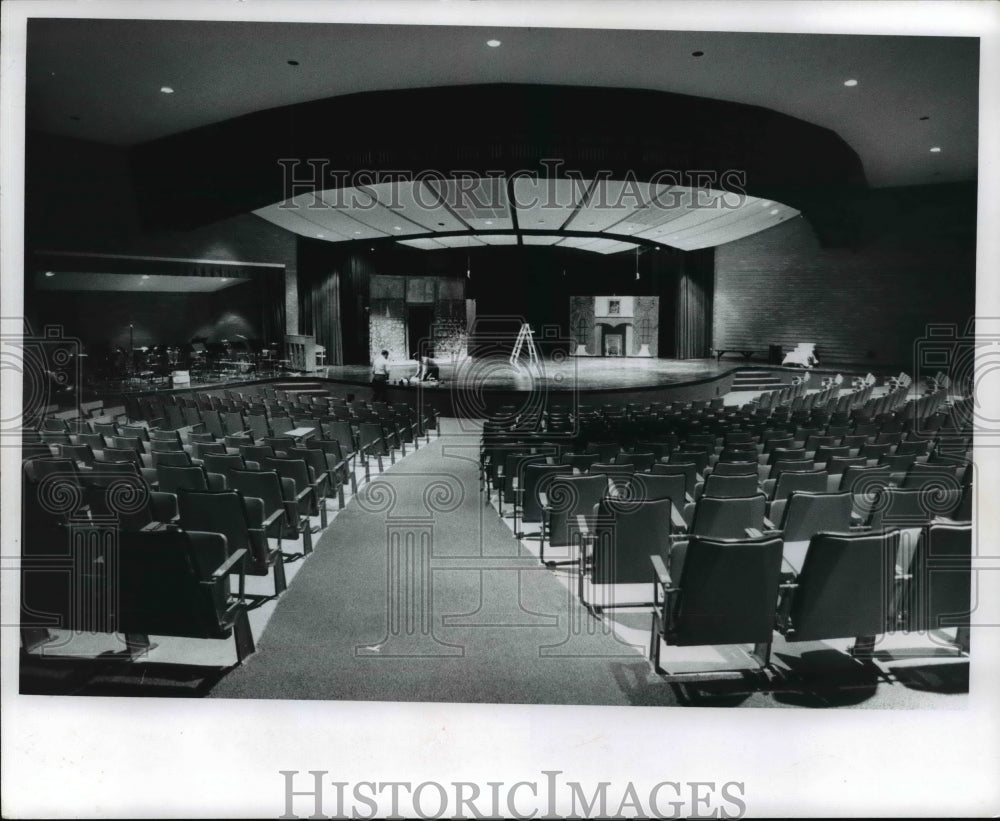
756 381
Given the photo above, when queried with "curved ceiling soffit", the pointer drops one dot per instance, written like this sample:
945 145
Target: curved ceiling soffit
249 162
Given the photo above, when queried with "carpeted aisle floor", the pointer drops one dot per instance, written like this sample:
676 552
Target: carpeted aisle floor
473 617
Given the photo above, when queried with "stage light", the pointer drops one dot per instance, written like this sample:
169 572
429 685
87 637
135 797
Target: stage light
936 149
850 83
50 273
493 43
166 90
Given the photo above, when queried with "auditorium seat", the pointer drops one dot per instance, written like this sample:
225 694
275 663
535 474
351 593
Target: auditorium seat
625 536
842 590
308 487
172 478
174 583
727 487
728 518
716 592
241 520
938 594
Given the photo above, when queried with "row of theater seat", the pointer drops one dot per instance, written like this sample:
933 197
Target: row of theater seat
153 522
803 507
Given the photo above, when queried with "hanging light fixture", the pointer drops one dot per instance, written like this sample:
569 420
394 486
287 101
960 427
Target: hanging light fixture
468 266
637 262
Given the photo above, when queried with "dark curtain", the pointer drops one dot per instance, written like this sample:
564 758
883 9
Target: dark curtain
272 301
695 287
333 300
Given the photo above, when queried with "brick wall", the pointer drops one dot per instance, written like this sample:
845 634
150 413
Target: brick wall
868 304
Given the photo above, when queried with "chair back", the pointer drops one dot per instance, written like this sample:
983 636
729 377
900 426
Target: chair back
749 468
912 507
844 587
626 534
728 518
812 481
537 479
176 458
165 589
863 479
224 463
640 461
222 511
727 592
730 487
173 479
569 497
809 513
689 470
940 594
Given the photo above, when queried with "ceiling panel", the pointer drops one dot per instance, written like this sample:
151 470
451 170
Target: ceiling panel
541 239
498 239
423 243
467 241
546 204
479 202
609 203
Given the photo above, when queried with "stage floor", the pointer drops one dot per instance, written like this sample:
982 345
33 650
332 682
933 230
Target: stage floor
570 373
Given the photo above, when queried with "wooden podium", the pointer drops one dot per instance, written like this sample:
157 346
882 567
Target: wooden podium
301 352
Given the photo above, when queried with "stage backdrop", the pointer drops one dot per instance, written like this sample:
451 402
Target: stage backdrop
410 312
615 325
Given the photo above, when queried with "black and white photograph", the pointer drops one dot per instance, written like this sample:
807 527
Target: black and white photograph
499 409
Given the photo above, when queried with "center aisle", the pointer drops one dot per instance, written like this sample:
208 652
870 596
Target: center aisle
418 592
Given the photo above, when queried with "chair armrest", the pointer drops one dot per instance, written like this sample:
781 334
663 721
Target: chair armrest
688 498
677 519
227 566
661 572
275 516
754 533
768 524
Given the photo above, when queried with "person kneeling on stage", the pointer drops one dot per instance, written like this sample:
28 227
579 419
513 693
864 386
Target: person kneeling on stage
427 370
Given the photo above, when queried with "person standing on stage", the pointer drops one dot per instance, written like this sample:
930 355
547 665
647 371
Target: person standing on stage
380 377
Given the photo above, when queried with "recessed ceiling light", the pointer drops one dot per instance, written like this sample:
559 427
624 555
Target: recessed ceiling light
936 149
773 211
765 203
357 232
50 273
489 222
697 53
441 224
166 90
225 279
145 276
493 43
850 83
320 234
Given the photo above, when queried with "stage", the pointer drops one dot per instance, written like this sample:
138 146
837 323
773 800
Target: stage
562 374
474 388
